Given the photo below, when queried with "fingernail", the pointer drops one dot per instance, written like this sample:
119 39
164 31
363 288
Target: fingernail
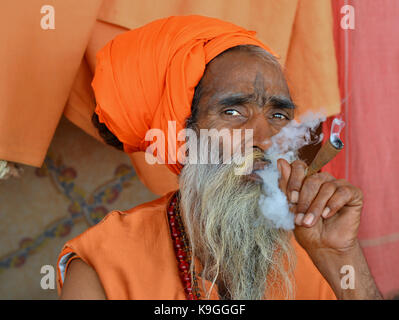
308 219
298 218
294 196
326 211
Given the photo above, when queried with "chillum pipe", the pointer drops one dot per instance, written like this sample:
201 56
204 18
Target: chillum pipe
326 153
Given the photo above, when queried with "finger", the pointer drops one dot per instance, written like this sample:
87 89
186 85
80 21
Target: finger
319 203
309 191
341 197
295 181
285 170
327 213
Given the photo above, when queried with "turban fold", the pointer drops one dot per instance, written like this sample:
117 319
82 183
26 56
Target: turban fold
147 76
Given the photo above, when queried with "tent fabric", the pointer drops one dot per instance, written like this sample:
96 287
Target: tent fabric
39 67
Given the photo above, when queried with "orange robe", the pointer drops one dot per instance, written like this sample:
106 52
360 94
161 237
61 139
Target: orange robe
132 253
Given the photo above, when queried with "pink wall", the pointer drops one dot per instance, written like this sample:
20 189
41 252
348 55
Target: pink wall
368 59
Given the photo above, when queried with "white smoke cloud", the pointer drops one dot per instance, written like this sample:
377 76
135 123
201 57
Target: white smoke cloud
285 145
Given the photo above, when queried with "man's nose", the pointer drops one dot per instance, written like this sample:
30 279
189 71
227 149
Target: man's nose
262 133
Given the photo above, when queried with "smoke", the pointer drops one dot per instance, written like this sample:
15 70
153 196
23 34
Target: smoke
285 145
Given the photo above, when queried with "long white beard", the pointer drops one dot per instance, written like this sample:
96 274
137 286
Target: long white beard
238 250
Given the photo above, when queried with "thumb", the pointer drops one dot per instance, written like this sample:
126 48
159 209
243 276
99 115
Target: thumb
284 169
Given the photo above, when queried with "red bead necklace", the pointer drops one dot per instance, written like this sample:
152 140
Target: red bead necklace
182 250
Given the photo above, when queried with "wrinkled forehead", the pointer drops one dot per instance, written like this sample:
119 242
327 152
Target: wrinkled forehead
244 72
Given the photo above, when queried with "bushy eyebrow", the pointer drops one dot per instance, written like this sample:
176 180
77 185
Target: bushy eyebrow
241 99
281 102
237 99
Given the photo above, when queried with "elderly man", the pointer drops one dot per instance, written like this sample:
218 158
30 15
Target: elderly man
208 239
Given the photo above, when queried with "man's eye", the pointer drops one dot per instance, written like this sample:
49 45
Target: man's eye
231 112
280 116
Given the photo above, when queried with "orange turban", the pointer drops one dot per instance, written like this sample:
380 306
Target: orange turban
147 76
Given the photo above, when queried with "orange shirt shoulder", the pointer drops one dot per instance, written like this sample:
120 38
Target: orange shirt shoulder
132 253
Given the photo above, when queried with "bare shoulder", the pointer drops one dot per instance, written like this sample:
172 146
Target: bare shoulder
81 283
